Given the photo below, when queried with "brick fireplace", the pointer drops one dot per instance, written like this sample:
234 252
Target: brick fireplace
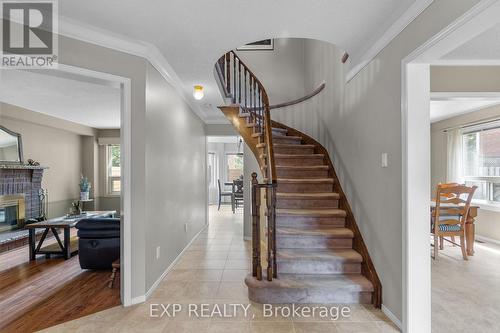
19 194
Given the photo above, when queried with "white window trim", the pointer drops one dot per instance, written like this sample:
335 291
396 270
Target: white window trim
226 171
109 179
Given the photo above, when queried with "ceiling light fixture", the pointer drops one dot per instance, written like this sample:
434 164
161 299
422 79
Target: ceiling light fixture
198 92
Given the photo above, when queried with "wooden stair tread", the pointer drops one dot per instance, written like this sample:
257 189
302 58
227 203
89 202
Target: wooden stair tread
314 232
256 135
277 129
308 156
306 180
337 282
312 212
288 137
306 196
344 255
302 167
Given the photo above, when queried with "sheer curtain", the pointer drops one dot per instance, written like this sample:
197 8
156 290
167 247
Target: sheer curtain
454 160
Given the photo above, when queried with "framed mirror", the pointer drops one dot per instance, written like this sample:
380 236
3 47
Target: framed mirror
11 147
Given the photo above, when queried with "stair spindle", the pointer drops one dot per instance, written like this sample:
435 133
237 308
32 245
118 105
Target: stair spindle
239 82
234 79
246 102
228 72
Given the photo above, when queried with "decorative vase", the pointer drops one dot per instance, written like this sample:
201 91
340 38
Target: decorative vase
84 196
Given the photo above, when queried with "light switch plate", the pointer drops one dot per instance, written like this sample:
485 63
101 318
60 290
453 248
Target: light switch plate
158 252
385 160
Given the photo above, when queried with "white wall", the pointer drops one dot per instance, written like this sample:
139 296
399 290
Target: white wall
175 175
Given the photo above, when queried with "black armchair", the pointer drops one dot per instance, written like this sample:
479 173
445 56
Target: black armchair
98 243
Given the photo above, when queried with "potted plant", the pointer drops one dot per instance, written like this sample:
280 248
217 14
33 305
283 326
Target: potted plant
84 188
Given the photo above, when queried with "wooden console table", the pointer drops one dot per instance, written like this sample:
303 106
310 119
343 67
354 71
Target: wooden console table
68 246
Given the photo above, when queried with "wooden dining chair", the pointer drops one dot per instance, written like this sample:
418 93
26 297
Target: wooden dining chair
450 214
445 185
225 194
238 192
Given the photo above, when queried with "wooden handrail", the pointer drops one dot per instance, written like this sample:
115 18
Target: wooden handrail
299 100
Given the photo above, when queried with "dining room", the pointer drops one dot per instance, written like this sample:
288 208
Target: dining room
465 191
225 173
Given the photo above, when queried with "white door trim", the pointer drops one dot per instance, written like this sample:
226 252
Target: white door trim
126 148
415 123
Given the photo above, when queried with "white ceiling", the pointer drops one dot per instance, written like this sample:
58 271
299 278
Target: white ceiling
192 35
485 46
79 99
446 108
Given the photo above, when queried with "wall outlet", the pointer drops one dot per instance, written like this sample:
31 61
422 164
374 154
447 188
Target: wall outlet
186 227
158 252
385 160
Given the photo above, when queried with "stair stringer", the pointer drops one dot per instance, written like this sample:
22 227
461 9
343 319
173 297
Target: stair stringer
367 267
232 113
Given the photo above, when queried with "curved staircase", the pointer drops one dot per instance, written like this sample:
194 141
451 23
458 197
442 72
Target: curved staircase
317 254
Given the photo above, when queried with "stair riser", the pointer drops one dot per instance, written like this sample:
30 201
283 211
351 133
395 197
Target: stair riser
309 161
304 187
299 222
306 203
301 174
286 140
299 150
304 296
318 267
312 242
292 221
279 133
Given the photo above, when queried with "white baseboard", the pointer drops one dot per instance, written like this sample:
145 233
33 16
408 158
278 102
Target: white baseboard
488 240
137 300
392 317
169 268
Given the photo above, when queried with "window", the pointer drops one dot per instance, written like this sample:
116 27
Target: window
481 162
113 173
234 166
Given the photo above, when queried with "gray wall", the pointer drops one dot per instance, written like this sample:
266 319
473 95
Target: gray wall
281 71
371 119
175 174
465 78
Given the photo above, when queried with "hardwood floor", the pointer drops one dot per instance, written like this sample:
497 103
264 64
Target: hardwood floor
46 292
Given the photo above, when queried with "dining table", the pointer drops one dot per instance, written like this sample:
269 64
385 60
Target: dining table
470 227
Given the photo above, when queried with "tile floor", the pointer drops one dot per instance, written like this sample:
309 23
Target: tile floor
212 271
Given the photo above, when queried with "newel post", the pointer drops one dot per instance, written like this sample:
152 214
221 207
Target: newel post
256 265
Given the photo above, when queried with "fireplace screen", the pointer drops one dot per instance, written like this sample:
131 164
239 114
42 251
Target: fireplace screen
11 212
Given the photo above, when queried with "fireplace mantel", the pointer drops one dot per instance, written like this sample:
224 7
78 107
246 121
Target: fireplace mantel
22 167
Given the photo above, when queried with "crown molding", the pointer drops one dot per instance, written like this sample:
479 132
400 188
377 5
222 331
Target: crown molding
105 38
394 30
